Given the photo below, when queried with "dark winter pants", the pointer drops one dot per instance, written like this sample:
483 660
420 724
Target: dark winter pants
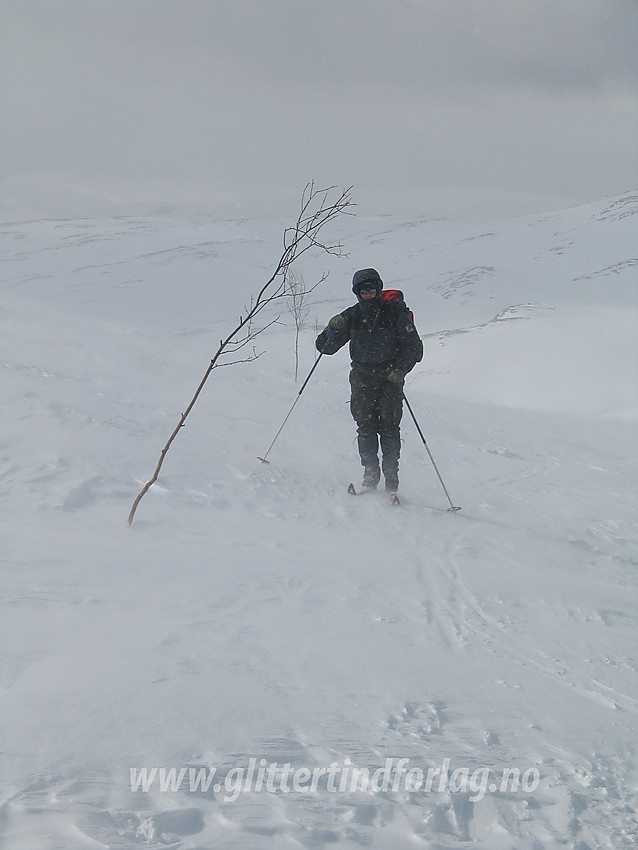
377 407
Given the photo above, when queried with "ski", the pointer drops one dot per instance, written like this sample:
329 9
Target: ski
393 497
354 492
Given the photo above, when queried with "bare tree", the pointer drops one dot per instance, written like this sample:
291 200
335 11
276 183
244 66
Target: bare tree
298 306
318 208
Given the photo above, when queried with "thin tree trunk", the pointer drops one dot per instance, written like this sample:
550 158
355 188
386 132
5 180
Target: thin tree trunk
316 211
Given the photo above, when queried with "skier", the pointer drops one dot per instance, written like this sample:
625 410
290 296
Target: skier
384 347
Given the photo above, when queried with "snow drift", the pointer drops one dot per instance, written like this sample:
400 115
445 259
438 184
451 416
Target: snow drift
259 616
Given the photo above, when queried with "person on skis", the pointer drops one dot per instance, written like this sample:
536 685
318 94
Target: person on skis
384 347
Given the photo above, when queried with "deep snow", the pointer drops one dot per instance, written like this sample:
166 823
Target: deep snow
259 612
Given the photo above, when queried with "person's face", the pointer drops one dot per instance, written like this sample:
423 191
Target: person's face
368 294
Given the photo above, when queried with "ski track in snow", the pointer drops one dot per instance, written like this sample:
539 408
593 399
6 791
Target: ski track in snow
260 612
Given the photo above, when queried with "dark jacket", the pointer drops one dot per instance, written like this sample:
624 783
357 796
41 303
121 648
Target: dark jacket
381 334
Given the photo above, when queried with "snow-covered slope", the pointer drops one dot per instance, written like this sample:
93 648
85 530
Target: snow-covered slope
258 614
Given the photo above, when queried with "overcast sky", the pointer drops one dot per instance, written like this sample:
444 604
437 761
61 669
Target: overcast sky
230 106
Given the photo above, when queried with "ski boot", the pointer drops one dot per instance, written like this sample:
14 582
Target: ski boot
371 477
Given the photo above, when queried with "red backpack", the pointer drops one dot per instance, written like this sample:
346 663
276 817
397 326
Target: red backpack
396 295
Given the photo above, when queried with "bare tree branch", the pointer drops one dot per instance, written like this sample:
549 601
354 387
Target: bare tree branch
317 209
298 305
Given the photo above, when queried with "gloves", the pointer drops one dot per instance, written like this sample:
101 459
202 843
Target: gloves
338 323
396 376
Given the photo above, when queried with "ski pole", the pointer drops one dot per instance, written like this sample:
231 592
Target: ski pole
427 448
303 387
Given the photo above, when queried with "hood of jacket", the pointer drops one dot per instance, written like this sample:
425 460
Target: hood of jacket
369 277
